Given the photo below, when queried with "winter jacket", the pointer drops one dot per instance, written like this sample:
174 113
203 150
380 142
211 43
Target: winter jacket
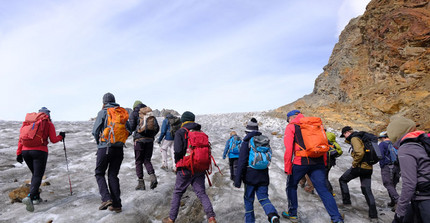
165 129
134 121
227 148
357 151
385 152
100 125
292 139
53 137
246 173
414 166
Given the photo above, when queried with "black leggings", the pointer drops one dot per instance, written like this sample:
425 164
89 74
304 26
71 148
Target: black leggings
36 161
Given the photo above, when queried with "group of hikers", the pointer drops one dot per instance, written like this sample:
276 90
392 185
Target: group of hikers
310 153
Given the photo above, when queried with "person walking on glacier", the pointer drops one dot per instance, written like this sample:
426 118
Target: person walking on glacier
232 149
253 170
111 130
297 165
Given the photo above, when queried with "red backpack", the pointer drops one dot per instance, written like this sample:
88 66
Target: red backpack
198 157
34 130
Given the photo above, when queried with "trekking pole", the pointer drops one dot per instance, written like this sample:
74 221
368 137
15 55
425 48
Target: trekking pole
67 164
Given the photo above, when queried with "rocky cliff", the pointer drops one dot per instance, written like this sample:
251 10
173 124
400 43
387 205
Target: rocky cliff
379 68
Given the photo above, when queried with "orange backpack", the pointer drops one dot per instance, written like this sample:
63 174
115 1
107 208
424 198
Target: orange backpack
314 138
34 130
116 130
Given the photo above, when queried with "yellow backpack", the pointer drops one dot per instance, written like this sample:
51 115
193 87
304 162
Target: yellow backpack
116 130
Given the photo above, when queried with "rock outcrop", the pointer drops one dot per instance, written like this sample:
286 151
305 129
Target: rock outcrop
379 68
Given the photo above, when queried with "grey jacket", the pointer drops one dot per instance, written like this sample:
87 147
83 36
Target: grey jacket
414 165
100 125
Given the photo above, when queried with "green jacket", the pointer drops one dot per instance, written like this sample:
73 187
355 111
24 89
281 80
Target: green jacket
332 138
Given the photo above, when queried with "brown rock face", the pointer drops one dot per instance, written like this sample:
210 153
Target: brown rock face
380 67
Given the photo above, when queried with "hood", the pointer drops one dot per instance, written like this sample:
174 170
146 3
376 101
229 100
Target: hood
193 126
398 127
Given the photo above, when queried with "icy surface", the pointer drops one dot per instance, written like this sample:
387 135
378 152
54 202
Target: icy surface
153 205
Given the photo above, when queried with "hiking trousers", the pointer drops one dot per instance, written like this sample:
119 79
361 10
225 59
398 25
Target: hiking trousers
143 156
365 180
112 163
36 162
233 167
184 178
317 175
262 193
390 178
418 212
166 148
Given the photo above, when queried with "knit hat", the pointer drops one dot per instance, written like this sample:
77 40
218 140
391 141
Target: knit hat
188 116
108 98
137 103
293 112
344 130
398 127
252 125
45 110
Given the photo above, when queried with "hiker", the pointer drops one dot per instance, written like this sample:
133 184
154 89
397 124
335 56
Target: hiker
232 148
184 176
413 204
145 127
110 137
35 152
390 170
332 154
256 179
360 168
165 140
297 165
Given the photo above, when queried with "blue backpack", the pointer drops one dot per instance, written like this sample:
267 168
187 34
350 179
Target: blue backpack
392 153
234 147
260 154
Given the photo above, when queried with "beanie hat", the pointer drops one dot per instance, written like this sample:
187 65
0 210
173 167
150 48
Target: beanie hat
252 125
45 110
137 103
188 116
293 112
108 98
344 130
399 126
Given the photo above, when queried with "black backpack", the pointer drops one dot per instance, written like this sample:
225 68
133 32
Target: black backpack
372 154
175 124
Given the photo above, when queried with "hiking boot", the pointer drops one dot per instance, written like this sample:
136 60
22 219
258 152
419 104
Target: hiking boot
211 220
293 218
140 184
167 220
29 204
275 219
37 201
154 181
117 210
105 205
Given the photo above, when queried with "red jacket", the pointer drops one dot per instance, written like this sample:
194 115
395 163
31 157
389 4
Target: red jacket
53 137
291 138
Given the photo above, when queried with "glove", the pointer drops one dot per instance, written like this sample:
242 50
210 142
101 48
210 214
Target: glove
19 158
398 219
63 134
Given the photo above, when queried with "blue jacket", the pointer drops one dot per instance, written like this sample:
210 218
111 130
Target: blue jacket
383 147
165 130
248 174
227 147
100 125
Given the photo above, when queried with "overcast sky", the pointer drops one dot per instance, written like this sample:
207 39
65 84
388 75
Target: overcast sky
205 56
